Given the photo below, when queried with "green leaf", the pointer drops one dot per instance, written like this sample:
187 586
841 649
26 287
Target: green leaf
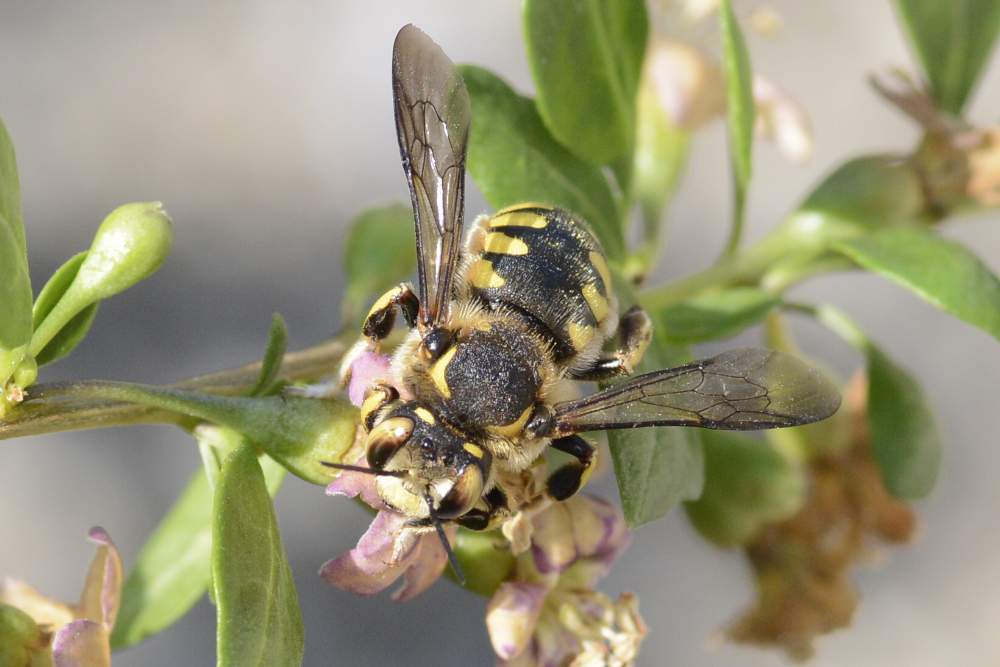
656 468
905 439
274 354
953 40
10 191
939 271
15 291
15 282
714 315
173 569
76 329
740 113
748 483
379 254
259 622
586 57
514 159
298 432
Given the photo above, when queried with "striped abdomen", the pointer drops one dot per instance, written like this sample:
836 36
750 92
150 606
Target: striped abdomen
547 265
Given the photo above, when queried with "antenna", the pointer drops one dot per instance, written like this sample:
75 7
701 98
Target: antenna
452 559
367 471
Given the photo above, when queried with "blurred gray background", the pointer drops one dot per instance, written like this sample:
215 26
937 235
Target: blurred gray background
265 127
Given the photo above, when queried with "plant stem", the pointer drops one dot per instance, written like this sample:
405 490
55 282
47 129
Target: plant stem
746 267
54 407
739 215
835 320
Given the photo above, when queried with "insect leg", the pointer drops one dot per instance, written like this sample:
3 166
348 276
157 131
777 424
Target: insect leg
570 477
378 396
487 514
377 325
381 317
635 330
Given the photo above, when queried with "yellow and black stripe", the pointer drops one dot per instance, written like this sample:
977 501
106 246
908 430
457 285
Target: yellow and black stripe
547 265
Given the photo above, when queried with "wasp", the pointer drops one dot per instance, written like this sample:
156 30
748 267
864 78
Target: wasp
504 319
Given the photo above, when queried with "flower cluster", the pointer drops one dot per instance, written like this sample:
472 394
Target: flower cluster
548 612
689 85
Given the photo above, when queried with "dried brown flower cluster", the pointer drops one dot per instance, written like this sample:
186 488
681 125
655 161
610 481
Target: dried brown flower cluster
803 565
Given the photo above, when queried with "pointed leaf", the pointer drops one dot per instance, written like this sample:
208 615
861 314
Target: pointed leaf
76 329
259 622
173 569
10 191
714 315
274 354
748 483
740 112
15 282
905 439
15 291
514 159
953 40
586 57
941 272
656 468
379 254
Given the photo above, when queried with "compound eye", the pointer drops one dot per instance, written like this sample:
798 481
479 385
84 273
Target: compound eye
467 490
386 439
436 342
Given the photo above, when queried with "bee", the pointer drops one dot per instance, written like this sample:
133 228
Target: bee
504 319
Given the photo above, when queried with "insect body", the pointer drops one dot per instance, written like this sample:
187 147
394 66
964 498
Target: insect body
502 322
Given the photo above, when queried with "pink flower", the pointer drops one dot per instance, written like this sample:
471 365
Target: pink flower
366 369
82 631
389 549
549 614
691 90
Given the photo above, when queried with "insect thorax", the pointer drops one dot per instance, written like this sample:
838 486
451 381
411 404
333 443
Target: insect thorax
488 381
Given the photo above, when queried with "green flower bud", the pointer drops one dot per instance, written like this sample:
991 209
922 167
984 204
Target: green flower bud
867 193
21 640
129 246
484 558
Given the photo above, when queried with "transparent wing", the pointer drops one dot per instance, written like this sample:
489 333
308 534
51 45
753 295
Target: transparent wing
744 390
432 124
